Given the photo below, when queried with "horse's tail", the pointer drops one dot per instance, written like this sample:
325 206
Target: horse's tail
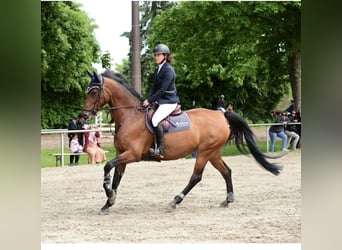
239 129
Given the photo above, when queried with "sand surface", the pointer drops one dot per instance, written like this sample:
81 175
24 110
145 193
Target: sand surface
267 208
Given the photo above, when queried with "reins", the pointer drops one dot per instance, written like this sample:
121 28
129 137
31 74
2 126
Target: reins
124 107
140 108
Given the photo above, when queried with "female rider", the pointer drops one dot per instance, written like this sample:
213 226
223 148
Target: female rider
163 92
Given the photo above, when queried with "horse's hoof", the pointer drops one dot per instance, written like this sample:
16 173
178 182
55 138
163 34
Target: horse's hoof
224 204
230 197
105 208
104 211
171 207
111 198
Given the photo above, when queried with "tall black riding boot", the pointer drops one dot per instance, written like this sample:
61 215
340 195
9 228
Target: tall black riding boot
160 141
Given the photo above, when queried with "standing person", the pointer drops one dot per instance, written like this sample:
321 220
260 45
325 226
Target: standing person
193 105
163 92
92 146
278 130
229 107
298 118
76 124
220 104
290 108
291 131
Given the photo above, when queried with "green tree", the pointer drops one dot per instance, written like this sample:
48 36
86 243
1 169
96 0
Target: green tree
106 59
148 10
280 26
244 50
68 49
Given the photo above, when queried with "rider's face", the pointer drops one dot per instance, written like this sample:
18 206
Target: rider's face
159 58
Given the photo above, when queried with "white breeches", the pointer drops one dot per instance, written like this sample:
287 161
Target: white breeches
162 112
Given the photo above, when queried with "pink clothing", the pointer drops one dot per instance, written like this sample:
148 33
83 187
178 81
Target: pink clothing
74 145
93 148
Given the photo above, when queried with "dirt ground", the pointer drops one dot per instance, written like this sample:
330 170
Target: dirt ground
267 208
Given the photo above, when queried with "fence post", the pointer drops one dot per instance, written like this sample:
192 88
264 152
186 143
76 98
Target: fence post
267 146
98 120
62 149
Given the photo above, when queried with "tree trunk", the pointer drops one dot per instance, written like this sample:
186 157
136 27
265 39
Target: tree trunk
136 65
295 72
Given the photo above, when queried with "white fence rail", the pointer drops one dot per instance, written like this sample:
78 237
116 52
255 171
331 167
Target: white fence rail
267 125
63 132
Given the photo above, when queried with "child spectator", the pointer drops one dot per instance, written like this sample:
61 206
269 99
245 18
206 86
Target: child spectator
76 124
75 147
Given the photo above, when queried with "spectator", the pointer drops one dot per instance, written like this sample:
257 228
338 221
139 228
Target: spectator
229 107
76 124
290 107
92 146
291 131
193 105
220 104
298 118
278 130
75 147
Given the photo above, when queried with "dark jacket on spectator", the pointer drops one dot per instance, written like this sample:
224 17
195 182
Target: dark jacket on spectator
277 128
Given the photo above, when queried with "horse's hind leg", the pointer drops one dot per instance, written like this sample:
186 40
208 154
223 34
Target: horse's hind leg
226 172
195 178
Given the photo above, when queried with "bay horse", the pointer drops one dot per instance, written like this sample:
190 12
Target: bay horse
210 130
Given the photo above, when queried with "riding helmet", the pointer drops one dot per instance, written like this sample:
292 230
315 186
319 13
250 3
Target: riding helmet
161 49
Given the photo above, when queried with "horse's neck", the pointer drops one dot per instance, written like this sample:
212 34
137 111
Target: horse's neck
121 102
129 120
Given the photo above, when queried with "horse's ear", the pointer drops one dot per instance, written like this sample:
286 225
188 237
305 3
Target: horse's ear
89 74
97 78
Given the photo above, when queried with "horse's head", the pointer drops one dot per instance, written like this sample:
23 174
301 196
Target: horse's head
95 96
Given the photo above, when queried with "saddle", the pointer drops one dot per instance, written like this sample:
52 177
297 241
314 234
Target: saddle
176 121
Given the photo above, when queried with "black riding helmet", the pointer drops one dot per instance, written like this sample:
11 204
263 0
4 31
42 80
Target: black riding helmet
161 49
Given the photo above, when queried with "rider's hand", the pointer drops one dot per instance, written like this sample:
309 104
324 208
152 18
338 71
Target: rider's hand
146 103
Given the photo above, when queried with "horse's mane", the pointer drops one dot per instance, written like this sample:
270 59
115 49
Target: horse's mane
122 80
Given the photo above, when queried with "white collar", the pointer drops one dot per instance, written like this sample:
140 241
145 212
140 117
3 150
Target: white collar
161 65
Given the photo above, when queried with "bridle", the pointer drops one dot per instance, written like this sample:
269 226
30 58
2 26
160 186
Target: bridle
99 85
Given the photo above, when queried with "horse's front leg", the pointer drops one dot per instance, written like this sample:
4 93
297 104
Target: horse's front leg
111 190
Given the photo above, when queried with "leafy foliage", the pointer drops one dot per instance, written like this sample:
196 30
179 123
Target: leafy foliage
248 51
106 60
68 49
239 49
